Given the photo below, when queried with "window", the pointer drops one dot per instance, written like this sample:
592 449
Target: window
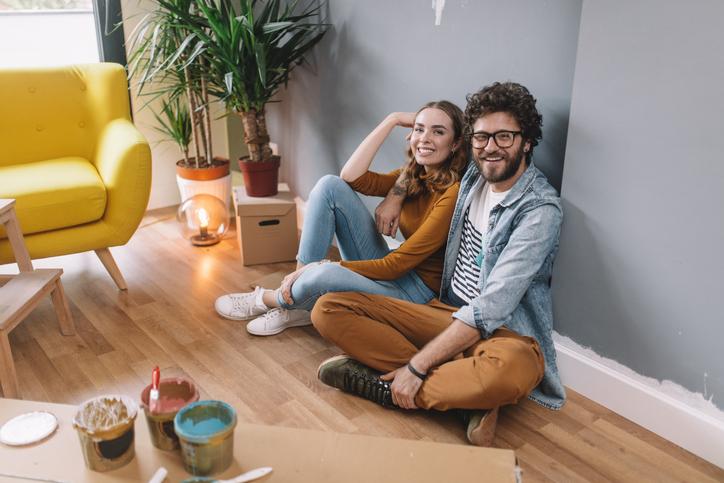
47 33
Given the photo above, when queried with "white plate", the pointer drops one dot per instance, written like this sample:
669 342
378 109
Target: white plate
28 428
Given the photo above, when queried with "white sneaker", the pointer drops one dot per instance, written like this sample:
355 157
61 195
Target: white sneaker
241 306
276 320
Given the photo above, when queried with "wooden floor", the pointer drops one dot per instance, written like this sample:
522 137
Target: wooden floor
167 318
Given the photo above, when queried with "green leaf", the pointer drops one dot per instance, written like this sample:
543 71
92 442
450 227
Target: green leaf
261 63
272 27
244 49
229 81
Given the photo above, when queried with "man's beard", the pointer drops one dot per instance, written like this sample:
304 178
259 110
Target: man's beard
511 165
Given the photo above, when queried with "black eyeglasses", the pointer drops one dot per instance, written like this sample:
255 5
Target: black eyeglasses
504 139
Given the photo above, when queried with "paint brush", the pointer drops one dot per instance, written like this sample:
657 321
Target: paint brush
159 476
153 395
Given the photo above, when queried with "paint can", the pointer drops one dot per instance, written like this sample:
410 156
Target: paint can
206 433
105 429
174 393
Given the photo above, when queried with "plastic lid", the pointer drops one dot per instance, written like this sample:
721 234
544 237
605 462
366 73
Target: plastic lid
28 428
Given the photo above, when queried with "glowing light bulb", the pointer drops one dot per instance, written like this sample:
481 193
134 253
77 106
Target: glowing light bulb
203 219
203 222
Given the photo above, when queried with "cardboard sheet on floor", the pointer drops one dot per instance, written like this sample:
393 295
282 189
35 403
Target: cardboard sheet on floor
297 455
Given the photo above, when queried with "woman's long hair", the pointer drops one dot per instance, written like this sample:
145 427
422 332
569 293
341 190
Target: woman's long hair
440 177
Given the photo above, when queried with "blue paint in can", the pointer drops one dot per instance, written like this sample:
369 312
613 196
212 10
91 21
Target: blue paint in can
204 427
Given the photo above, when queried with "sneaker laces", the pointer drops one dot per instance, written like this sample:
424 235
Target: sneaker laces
237 304
368 387
272 313
241 303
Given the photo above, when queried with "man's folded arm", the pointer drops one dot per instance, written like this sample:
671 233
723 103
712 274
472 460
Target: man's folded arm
449 343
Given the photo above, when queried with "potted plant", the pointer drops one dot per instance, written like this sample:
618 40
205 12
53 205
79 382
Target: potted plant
250 48
174 121
168 61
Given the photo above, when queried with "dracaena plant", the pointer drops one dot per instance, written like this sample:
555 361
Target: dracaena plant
249 49
174 121
168 60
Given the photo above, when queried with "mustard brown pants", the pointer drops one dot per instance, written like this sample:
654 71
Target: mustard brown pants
384 333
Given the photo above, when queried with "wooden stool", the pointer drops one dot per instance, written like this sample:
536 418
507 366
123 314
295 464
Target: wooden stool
21 294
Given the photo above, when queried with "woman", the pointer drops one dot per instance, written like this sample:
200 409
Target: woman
436 156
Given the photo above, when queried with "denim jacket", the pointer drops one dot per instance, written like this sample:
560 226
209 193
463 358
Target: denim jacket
522 241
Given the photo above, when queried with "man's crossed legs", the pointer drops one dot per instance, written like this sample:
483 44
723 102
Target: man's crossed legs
383 333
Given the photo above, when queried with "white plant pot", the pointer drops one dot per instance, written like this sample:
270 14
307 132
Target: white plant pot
221 188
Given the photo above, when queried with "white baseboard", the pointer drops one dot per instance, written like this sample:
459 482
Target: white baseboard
699 430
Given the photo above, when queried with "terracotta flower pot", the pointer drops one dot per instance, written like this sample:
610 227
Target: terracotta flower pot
260 178
218 169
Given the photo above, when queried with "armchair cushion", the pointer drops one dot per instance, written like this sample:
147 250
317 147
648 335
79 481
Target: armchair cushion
56 193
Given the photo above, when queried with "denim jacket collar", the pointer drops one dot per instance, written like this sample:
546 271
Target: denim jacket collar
521 186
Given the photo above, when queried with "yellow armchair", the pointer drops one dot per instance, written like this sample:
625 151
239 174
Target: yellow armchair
70 156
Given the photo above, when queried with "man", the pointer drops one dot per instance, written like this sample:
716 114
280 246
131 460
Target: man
487 341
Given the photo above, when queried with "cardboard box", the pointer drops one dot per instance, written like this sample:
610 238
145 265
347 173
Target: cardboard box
297 455
266 228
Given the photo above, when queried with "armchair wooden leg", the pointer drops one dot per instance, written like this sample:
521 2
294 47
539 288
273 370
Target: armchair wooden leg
107 260
62 311
8 378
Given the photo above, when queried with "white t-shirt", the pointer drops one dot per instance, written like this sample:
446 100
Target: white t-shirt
465 280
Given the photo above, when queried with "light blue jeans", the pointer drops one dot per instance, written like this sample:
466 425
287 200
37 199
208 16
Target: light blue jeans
333 209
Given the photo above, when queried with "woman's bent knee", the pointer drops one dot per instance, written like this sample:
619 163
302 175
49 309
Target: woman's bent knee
328 185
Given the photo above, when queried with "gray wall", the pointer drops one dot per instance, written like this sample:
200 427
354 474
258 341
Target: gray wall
382 56
639 275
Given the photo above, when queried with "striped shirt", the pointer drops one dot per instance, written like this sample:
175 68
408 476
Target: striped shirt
466 277
467 271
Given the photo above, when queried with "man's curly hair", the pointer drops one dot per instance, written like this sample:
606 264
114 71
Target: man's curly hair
508 97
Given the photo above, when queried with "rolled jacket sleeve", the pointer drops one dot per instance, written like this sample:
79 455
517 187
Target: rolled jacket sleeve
531 242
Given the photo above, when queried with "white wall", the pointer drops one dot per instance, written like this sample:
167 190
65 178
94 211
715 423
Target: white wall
165 154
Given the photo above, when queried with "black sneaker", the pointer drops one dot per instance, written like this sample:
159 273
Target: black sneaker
353 377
